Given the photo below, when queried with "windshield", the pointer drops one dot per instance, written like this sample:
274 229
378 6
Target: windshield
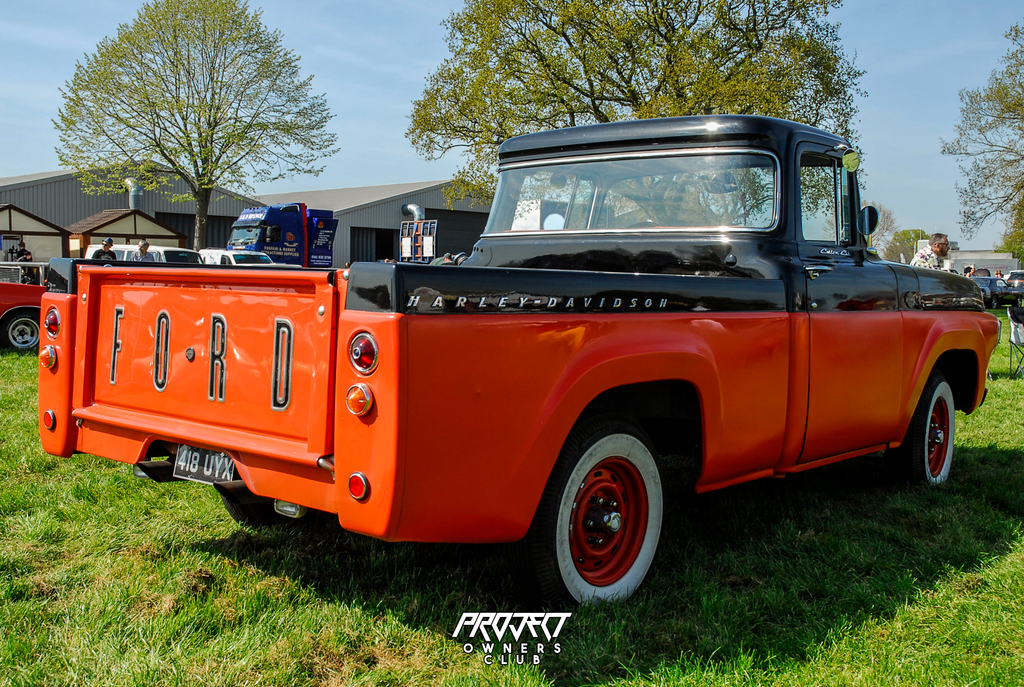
244 235
720 191
188 256
251 258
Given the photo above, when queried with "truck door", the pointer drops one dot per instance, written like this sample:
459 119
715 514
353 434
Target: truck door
856 333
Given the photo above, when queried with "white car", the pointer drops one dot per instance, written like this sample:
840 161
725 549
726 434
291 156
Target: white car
161 253
218 256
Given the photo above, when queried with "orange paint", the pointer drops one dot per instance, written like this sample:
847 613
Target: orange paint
855 377
55 383
469 411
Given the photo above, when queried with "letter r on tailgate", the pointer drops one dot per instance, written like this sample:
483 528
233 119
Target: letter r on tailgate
218 348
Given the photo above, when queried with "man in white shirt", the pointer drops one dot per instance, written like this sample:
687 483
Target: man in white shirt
932 255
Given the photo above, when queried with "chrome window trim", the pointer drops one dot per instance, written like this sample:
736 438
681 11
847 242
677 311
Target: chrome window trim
675 152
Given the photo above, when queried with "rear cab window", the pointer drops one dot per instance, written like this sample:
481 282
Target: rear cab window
674 191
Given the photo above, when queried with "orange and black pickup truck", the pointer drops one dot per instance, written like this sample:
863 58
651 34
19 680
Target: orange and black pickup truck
642 290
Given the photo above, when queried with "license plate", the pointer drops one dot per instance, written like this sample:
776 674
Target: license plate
202 465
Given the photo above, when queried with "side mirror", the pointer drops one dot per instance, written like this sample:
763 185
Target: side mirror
851 160
868 220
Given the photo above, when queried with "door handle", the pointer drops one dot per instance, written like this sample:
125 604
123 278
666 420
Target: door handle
814 271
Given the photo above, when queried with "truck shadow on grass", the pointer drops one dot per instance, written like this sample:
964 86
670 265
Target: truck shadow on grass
768 570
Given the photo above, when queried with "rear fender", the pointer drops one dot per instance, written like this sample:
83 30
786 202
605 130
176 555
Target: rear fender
927 339
581 385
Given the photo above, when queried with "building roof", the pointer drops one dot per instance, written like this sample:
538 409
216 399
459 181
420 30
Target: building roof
350 198
107 217
15 208
11 183
8 183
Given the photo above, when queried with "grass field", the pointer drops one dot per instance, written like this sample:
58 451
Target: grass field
838 576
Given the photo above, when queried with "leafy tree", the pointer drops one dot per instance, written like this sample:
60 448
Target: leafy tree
199 89
904 241
519 66
990 137
1012 240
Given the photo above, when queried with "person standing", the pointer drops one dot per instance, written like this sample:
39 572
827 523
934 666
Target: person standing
23 254
144 255
106 254
932 255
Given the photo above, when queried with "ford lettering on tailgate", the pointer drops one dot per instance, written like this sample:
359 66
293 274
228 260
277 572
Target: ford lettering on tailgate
191 349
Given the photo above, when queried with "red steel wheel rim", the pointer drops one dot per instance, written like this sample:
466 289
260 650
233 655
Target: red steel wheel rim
601 557
938 437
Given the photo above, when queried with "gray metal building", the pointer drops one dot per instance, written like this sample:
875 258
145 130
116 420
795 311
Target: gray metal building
369 217
58 198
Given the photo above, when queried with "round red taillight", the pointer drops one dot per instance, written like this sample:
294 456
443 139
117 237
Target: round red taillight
49 420
363 353
358 486
48 356
52 323
359 399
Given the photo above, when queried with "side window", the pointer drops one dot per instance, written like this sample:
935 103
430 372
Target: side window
273 233
818 177
224 260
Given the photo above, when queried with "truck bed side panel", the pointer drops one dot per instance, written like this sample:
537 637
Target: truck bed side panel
513 386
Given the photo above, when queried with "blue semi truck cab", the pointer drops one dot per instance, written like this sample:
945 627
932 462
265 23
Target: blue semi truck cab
289 233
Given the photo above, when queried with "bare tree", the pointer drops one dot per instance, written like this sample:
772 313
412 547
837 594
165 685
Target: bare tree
886 228
990 137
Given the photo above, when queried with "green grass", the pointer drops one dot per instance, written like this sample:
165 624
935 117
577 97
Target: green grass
835 576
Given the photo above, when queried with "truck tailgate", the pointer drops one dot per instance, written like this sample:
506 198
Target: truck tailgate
227 359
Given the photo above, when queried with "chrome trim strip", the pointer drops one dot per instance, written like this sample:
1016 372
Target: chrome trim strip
675 152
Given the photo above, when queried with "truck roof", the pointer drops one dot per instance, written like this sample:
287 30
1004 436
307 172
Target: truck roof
767 132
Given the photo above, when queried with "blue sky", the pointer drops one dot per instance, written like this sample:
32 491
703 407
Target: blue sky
371 59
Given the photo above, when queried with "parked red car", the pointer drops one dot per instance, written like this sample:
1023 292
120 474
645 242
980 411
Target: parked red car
19 315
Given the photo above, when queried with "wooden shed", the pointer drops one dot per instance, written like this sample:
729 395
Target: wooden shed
125 226
45 239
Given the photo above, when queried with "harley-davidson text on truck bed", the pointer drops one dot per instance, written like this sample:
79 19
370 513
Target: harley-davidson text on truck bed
641 288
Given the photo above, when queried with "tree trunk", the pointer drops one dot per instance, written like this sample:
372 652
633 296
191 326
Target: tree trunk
202 197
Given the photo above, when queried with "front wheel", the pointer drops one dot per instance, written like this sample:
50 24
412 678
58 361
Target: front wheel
927 449
596 530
